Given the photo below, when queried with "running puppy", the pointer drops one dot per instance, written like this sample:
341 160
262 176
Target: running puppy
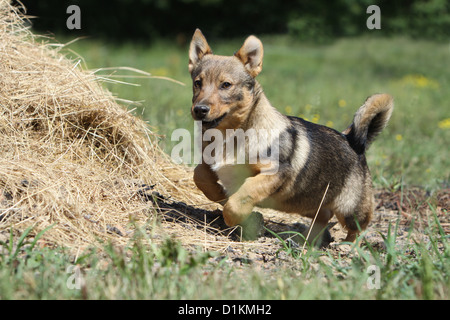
309 156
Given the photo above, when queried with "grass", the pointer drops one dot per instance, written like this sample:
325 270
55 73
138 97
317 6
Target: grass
324 84
143 270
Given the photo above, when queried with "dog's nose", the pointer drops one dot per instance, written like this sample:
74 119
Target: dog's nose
201 111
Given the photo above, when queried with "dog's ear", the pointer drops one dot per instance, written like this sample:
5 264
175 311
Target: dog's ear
199 47
251 55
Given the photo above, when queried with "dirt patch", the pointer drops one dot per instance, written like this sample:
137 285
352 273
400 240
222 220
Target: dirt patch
407 212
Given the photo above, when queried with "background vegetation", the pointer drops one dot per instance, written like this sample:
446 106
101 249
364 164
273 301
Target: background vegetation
322 83
322 68
304 19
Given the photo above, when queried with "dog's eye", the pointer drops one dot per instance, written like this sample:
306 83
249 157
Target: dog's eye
225 85
198 84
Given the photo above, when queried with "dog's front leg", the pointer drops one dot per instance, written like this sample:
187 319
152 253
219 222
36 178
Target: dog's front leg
254 190
207 181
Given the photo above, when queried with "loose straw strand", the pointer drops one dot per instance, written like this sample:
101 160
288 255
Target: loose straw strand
314 220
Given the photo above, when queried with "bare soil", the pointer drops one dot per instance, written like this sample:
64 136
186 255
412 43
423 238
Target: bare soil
411 210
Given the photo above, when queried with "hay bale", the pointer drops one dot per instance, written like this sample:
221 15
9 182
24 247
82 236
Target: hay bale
69 154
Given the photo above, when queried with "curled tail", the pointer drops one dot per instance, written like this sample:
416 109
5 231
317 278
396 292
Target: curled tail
369 121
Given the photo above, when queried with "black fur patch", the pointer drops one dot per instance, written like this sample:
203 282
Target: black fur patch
358 144
330 160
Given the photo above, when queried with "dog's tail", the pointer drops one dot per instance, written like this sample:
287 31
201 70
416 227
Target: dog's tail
369 121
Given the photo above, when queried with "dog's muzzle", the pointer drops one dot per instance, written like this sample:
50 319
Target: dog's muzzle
213 123
201 111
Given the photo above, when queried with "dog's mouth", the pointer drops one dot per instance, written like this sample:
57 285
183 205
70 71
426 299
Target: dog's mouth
214 123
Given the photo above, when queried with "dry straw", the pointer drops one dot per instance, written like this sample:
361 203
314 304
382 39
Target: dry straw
70 156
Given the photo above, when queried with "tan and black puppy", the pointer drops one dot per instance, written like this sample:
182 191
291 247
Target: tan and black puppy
309 157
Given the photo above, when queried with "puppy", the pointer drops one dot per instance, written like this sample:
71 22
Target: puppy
310 158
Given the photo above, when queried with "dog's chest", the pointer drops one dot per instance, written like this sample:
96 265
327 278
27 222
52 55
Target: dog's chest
232 162
233 176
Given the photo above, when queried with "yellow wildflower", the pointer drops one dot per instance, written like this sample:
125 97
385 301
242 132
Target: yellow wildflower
419 81
399 137
159 72
444 124
288 109
342 103
316 118
422 81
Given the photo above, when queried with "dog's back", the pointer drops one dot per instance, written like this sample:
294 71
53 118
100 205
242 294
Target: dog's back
315 156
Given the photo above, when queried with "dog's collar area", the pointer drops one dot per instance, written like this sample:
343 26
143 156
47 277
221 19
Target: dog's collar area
214 123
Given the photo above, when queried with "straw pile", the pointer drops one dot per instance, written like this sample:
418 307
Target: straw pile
70 156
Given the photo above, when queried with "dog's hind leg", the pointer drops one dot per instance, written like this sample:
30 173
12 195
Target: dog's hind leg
354 207
357 221
319 231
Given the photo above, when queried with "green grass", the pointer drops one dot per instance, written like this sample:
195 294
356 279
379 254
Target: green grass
144 270
322 83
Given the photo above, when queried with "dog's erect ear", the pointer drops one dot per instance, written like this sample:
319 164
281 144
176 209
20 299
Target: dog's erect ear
199 47
251 55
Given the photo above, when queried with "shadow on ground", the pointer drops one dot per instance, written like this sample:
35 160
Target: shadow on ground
212 222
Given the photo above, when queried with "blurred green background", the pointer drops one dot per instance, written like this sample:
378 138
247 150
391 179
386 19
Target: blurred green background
118 20
321 62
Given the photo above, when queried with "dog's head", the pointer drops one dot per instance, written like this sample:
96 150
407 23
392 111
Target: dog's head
223 86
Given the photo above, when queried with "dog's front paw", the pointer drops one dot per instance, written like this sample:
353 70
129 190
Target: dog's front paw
236 210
